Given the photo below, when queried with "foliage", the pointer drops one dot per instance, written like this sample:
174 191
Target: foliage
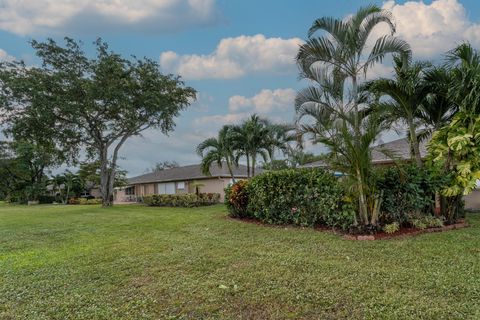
219 150
160 166
391 227
304 197
408 190
406 94
334 63
182 200
84 201
236 199
93 103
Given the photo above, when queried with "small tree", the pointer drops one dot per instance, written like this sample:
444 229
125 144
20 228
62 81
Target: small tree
94 103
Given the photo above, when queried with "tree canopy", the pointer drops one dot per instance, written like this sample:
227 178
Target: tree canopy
92 104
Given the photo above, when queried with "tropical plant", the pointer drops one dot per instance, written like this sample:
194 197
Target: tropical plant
406 91
219 150
456 146
334 64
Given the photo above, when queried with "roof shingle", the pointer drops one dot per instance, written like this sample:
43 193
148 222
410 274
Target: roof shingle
190 172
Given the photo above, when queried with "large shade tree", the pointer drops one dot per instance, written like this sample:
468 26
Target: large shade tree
94 103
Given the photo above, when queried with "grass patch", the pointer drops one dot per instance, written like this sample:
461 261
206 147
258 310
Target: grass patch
135 262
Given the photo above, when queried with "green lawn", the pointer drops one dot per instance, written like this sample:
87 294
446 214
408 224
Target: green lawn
133 262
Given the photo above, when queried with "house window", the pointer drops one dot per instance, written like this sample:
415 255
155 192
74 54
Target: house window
181 185
166 188
130 191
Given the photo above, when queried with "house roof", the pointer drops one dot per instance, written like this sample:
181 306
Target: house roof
191 172
397 150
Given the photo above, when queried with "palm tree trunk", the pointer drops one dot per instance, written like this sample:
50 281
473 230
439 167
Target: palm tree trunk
248 165
253 165
229 165
415 145
362 199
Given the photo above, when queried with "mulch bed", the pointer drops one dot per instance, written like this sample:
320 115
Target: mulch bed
402 233
406 232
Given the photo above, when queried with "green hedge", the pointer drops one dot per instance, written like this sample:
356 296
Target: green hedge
182 200
305 197
407 191
84 201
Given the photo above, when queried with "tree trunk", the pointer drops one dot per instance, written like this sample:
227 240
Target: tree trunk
229 165
362 200
104 178
253 165
248 165
415 145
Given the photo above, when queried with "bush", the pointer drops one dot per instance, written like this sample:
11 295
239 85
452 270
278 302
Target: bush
45 199
236 199
391 228
84 201
407 190
181 200
305 197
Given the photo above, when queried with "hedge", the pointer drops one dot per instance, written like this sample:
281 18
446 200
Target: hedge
182 200
84 201
304 197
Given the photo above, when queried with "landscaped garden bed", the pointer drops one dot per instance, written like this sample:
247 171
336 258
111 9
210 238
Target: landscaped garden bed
315 198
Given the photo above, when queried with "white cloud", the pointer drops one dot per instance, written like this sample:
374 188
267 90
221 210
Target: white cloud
54 16
432 29
276 105
235 57
264 102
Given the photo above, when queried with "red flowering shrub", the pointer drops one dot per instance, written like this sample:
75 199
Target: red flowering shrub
236 199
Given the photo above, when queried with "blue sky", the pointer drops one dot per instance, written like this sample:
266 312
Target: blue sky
239 55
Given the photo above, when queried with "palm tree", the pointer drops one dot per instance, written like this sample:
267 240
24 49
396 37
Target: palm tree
343 49
407 92
334 64
438 108
217 150
252 140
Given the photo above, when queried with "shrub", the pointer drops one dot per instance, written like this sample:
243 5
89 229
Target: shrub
181 200
304 197
236 199
45 199
84 201
391 228
407 190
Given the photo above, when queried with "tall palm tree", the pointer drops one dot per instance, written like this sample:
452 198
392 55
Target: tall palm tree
344 47
406 92
252 138
217 150
335 63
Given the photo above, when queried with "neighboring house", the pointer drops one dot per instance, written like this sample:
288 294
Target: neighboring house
187 179
397 150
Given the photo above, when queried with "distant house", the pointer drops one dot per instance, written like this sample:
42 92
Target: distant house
398 150
180 180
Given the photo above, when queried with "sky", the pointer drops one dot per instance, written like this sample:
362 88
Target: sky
238 54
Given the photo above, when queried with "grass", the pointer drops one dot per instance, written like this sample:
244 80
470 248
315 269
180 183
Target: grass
134 262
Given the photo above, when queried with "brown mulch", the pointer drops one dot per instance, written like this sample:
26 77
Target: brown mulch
402 233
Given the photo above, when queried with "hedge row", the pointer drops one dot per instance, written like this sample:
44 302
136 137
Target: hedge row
305 197
182 200
84 201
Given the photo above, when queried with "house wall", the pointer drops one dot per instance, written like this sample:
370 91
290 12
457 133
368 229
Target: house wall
472 201
213 185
